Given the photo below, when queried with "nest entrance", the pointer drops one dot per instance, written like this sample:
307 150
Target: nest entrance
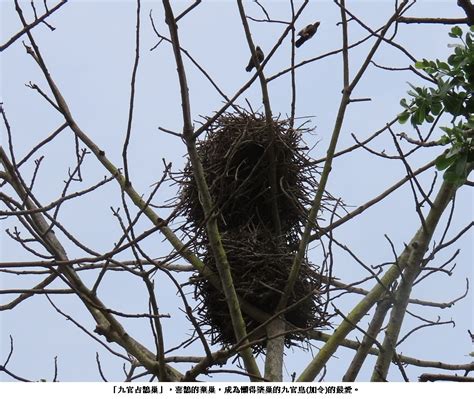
239 155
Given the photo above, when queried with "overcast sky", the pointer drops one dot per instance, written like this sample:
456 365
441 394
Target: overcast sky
90 56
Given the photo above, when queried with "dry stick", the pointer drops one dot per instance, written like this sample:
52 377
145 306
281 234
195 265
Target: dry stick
220 256
276 328
410 257
189 313
322 184
136 219
106 323
358 144
188 310
370 203
275 347
317 364
293 72
253 312
452 240
414 266
158 329
26 28
85 330
129 235
38 291
368 340
99 366
403 158
137 199
468 8
220 357
429 323
268 121
219 112
269 326
156 323
132 96
350 344
444 21
319 57
356 290
374 33
89 265
443 377
16 377
198 66
42 143
59 201
134 196
310 225
68 262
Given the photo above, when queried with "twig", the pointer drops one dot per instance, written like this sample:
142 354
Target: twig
444 377
28 27
132 96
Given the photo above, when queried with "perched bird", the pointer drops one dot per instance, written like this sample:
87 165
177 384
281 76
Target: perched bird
260 58
307 33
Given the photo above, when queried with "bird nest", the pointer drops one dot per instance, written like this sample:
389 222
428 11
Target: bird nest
241 156
260 269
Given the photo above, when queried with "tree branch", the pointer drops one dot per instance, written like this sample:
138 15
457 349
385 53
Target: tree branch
220 256
409 258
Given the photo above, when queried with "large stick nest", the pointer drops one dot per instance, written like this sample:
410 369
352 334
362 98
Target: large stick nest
236 158
238 155
260 271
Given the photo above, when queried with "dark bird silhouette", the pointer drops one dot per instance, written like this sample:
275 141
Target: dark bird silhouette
307 33
260 58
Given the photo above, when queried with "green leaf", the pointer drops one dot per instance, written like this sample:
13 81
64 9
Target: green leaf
418 117
470 122
456 31
470 156
444 140
452 103
452 177
442 65
470 105
403 117
453 92
456 173
444 87
419 64
453 152
436 107
443 162
460 165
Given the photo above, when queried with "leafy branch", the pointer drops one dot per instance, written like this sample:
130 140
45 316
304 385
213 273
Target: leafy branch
452 95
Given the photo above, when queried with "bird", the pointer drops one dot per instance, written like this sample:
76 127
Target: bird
260 57
307 33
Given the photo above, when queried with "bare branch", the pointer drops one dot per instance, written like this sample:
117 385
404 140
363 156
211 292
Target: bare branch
28 27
